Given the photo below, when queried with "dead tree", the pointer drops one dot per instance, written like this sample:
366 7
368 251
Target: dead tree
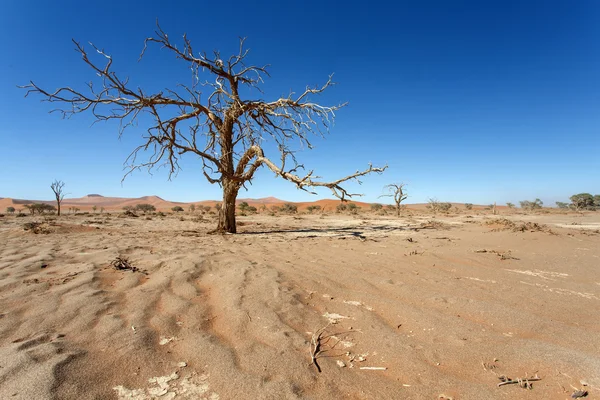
212 118
396 190
57 187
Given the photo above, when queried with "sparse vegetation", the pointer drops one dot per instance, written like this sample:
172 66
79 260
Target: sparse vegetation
435 205
510 205
40 208
585 201
341 207
10 210
310 209
145 208
562 205
376 207
531 205
468 206
94 208
289 208
192 208
177 209
353 208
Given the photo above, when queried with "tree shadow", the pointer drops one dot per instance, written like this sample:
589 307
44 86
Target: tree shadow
352 231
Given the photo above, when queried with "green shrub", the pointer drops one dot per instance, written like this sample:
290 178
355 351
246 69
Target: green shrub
145 207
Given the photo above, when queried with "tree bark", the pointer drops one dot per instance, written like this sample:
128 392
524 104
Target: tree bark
227 211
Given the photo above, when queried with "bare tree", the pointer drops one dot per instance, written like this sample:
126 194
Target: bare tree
57 187
210 118
396 190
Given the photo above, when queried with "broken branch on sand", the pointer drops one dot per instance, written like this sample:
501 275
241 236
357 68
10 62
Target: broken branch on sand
524 383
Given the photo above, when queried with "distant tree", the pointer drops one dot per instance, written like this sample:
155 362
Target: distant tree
445 206
94 208
58 189
510 205
531 205
216 118
376 207
312 208
468 206
128 208
40 208
218 207
177 209
597 200
10 210
582 201
145 207
192 208
289 208
341 207
207 208
435 205
562 205
243 206
396 190
75 210
101 210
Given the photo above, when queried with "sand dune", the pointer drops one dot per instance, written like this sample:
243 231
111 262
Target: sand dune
224 317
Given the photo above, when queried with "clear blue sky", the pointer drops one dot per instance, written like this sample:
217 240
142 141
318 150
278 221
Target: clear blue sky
467 101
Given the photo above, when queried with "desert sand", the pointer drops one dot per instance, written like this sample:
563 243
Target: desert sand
418 307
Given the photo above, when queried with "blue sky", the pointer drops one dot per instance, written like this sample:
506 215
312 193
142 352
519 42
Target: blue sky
466 101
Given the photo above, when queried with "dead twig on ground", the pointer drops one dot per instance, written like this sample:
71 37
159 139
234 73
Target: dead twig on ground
525 383
319 340
315 347
504 255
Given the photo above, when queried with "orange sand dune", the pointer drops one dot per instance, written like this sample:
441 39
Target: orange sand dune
86 203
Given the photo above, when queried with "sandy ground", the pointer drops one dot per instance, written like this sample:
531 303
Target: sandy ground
418 307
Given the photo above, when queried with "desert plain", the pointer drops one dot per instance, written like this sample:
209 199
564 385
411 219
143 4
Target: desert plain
420 306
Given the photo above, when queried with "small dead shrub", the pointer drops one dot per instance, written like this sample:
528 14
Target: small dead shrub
37 227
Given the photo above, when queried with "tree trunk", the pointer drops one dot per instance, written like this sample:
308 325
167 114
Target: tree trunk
227 211
58 206
398 209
